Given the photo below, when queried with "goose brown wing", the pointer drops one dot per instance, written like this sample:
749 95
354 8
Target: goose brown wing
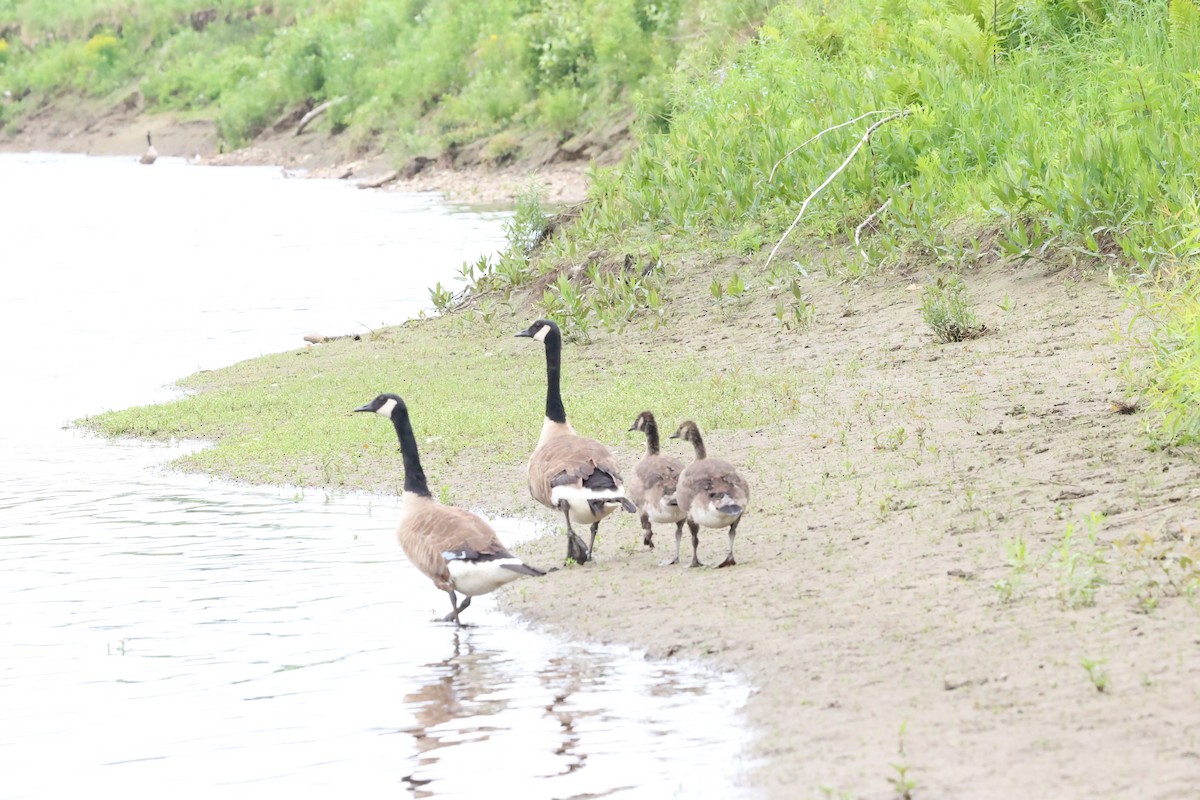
571 461
428 532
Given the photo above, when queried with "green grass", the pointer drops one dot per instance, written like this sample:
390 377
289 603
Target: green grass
1055 132
1060 133
407 74
286 418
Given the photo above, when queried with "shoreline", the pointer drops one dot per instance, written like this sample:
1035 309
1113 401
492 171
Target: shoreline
878 611
88 131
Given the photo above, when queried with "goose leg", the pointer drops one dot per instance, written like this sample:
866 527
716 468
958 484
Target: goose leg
729 562
576 551
647 531
458 609
695 529
592 540
678 539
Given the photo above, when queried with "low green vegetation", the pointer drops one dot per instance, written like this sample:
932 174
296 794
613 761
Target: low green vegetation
285 418
947 311
1052 131
408 74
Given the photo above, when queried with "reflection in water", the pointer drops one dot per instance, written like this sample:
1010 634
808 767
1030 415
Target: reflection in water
166 635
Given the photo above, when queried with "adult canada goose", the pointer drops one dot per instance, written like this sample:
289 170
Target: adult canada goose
456 549
652 485
710 492
567 472
151 154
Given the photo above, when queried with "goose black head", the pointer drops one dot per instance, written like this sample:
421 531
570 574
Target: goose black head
383 405
541 330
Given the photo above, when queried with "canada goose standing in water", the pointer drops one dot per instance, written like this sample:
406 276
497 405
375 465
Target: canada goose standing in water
652 485
567 472
710 492
456 549
151 155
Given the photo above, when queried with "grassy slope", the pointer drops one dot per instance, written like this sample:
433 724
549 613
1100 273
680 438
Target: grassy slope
407 76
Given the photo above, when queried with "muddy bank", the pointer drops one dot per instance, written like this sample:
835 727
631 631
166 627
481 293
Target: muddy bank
961 568
82 126
954 567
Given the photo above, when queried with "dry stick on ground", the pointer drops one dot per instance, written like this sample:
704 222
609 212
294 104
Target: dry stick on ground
807 142
866 137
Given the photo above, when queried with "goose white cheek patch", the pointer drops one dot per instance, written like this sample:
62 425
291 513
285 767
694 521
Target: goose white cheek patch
387 408
542 333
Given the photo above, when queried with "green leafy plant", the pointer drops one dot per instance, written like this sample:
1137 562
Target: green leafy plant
442 298
947 312
1096 672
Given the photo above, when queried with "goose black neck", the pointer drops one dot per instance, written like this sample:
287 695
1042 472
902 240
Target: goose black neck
698 444
651 437
414 476
554 404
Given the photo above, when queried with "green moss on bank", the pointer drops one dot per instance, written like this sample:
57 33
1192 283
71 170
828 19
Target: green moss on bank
476 396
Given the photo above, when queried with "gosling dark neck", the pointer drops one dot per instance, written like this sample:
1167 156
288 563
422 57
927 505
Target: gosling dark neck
414 476
651 437
554 405
698 444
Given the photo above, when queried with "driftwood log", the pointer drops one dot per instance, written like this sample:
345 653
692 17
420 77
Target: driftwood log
317 338
382 180
310 116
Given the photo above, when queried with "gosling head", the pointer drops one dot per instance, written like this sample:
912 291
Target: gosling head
383 405
644 420
688 431
541 330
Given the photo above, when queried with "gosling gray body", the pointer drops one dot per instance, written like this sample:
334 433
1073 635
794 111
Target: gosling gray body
711 494
653 483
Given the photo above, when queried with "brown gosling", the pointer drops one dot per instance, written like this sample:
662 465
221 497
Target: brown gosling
567 472
456 549
151 155
652 485
710 492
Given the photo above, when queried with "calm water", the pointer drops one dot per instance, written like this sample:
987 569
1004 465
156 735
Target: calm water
167 635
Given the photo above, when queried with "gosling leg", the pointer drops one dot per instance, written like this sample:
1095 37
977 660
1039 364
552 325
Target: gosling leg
647 531
678 539
729 562
695 529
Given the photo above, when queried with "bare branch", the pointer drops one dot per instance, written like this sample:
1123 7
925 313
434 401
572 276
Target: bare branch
865 223
807 142
866 137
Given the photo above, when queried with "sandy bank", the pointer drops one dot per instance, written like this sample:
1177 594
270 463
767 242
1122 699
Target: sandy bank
961 568
81 126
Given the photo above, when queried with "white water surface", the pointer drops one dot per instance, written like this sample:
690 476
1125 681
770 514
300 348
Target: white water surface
168 635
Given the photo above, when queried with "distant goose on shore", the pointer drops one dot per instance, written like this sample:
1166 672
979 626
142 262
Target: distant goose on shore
567 472
456 549
710 492
151 155
652 485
